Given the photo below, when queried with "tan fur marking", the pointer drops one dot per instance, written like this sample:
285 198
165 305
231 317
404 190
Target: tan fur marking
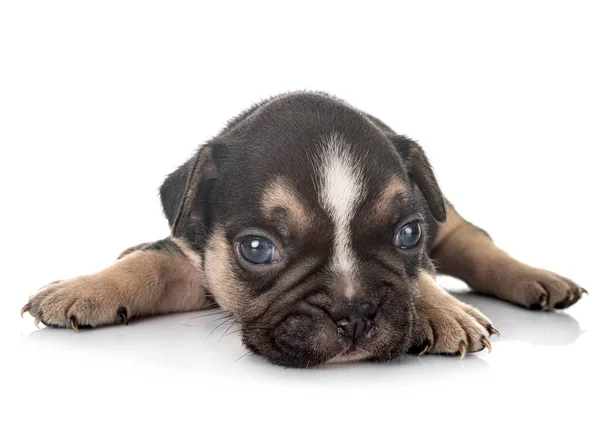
221 280
143 282
354 356
446 323
453 222
394 189
464 251
280 194
191 254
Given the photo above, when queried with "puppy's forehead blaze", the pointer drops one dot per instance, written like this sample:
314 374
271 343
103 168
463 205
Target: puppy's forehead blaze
394 189
281 195
341 190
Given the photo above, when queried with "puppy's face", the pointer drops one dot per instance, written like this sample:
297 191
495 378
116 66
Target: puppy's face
316 237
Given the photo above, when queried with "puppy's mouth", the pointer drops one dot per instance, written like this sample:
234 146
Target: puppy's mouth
311 335
352 354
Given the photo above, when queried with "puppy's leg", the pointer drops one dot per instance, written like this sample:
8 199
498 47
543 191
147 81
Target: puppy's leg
464 251
446 325
160 277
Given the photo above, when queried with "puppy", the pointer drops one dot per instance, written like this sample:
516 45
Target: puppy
320 230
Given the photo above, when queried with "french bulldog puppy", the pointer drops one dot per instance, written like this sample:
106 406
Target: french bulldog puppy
320 230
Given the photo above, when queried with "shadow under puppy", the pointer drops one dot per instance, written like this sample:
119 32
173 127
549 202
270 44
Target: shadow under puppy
317 228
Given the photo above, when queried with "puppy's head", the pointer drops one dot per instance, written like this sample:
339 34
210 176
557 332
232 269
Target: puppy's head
312 220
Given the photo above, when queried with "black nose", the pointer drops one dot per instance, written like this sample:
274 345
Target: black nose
355 320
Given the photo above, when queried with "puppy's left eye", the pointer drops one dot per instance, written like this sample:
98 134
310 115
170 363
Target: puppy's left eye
258 250
408 236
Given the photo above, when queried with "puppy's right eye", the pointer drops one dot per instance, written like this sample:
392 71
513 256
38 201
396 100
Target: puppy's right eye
258 250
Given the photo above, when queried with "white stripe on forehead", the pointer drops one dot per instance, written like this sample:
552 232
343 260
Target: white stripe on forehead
340 192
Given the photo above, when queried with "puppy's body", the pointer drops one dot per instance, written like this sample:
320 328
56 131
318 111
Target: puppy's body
317 227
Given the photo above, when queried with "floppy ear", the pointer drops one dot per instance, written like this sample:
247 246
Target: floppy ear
420 171
184 195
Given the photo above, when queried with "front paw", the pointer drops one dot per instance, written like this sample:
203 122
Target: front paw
448 326
539 289
82 301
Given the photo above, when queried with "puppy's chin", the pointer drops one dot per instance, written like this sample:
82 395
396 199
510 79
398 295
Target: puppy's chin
310 339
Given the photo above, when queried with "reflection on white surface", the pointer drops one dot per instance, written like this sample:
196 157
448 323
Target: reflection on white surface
192 362
520 324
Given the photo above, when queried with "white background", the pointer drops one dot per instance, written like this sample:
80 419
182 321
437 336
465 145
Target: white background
99 101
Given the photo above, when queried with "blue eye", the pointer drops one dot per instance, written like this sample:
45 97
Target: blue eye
408 236
258 250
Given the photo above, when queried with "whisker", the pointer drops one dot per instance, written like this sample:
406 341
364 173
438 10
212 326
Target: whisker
221 324
204 315
248 353
210 314
233 332
227 330
227 316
